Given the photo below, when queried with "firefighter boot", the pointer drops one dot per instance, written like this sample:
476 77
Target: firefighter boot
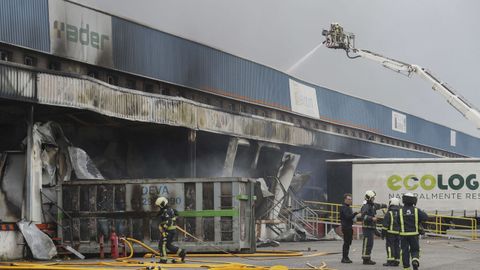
368 261
415 264
183 254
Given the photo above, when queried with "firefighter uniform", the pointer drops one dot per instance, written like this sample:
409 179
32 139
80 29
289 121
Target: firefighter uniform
369 226
410 225
391 232
168 227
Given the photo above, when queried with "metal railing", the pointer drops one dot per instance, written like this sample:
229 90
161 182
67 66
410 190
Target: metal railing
294 211
305 214
437 225
295 218
452 226
328 212
290 211
63 214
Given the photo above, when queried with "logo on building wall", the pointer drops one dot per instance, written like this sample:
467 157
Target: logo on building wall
80 33
399 122
437 185
454 181
303 99
76 34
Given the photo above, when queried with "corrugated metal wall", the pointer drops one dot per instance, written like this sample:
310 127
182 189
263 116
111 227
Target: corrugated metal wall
25 23
365 114
467 144
145 51
16 83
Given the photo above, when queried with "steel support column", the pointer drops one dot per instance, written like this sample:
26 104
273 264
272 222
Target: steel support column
29 181
192 144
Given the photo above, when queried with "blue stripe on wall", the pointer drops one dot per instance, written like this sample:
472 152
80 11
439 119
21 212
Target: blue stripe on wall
25 23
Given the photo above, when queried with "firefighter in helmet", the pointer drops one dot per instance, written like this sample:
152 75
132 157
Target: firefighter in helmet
167 229
411 219
369 226
391 231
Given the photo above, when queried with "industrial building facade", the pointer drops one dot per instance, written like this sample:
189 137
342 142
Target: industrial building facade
85 95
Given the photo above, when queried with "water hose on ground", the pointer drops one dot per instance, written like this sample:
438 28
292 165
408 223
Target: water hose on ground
241 256
130 247
127 262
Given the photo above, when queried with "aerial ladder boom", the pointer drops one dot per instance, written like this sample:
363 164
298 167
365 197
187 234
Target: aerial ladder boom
336 38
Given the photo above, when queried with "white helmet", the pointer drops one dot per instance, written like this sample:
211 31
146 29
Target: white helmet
409 199
394 201
161 202
369 194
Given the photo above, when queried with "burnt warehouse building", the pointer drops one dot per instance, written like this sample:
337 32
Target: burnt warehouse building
99 115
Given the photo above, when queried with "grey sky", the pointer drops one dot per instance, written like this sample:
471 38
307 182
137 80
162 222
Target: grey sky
440 35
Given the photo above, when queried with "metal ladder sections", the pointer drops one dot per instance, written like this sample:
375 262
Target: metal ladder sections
298 219
294 213
59 241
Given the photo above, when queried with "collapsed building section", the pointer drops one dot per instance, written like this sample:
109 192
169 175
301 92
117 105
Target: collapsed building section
91 174
59 130
58 141
62 131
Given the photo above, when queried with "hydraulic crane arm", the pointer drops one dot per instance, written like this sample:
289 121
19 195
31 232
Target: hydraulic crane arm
336 38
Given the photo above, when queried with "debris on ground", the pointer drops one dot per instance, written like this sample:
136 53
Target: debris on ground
267 243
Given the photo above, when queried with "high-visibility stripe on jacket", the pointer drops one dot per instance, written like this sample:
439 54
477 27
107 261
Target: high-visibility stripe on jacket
391 228
168 219
407 225
391 222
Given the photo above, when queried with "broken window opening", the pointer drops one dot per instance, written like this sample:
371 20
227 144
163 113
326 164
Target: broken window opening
131 84
5 55
190 196
137 228
105 198
190 226
30 60
226 195
54 65
104 227
226 224
120 198
87 229
208 229
207 196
